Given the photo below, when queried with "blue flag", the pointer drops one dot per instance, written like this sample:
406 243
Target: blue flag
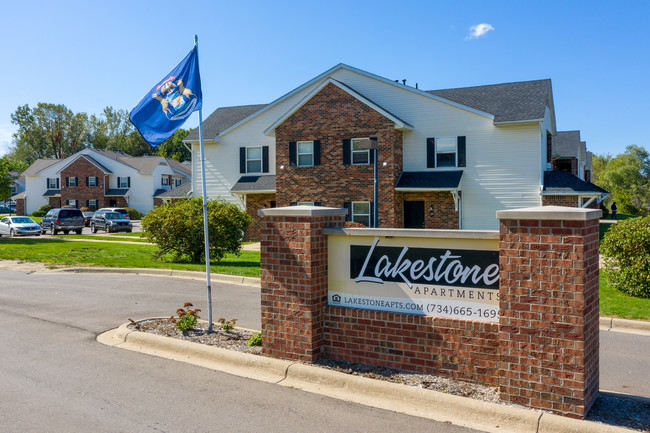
167 106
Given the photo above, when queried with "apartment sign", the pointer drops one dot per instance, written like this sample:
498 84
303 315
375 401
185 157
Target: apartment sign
454 283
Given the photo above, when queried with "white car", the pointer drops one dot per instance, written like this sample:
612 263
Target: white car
19 226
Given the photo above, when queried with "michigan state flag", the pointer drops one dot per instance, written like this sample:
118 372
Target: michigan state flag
165 108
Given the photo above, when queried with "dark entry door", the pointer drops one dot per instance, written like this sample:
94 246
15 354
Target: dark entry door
414 214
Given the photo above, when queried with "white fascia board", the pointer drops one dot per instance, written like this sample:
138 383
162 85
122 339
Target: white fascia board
259 191
580 193
425 189
399 123
518 122
360 72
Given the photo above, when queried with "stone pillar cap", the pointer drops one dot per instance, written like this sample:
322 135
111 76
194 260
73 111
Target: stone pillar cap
550 213
308 211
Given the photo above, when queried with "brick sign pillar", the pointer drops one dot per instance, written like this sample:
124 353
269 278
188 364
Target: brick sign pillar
549 308
294 279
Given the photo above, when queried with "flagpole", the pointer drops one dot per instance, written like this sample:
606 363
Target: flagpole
205 207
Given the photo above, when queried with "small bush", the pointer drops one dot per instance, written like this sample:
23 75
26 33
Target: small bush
134 214
44 208
38 213
186 318
352 224
227 325
85 209
255 339
626 248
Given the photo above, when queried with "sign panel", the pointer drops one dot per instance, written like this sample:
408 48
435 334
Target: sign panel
455 283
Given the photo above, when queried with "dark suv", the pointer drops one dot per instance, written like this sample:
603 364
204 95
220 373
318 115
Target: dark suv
110 222
65 220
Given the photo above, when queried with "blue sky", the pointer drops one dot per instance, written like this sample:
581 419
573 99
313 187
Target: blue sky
88 55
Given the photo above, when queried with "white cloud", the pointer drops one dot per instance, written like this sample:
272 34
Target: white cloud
479 30
6 132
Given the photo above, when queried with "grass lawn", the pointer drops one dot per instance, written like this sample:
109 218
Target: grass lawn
60 253
114 237
616 304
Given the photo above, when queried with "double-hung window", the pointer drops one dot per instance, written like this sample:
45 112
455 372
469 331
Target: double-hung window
446 152
123 182
165 180
254 159
92 180
305 153
72 181
361 212
52 183
72 203
178 182
359 156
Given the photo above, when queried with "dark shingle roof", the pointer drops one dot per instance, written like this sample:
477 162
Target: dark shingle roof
180 191
38 165
429 179
222 119
566 143
116 192
52 192
508 102
565 182
248 184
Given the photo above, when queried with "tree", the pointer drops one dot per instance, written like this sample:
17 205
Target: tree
177 228
5 178
110 130
626 177
47 131
174 148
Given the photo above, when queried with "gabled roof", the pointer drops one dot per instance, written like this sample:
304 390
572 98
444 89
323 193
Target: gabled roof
39 165
52 193
429 180
17 176
564 182
222 119
90 160
508 102
116 192
254 184
185 169
399 123
566 143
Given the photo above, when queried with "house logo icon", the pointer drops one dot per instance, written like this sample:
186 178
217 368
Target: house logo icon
336 299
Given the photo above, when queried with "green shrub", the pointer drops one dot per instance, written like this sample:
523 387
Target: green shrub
38 213
227 325
255 339
626 248
186 318
134 214
44 208
177 228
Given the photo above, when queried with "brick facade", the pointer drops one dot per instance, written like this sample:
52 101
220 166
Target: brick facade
566 201
332 116
255 202
82 169
543 353
440 203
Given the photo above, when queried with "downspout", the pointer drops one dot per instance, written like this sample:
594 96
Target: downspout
458 207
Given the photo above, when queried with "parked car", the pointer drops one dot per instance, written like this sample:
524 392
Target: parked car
65 220
87 217
19 226
6 209
118 210
110 222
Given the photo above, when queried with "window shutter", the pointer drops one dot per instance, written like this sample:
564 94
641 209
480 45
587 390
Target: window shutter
317 203
265 159
461 152
348 205
128 182
118 182
47 183
87 201
316 152
431 152
372 214
293 158
76 181
67 181
57 183
86 182
293 203
346 151
242 160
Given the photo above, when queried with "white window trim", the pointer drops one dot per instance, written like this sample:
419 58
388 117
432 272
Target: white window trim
352 151
72 180
164 180
305 203
455 151
298 154
126 183
90 179
353 214
261 160
51 183
72 202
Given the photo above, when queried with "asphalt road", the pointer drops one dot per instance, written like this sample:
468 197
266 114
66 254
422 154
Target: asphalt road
55 377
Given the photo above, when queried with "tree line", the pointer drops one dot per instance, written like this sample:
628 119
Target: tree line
627 178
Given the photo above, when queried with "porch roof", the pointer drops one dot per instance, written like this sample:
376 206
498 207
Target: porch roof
429 180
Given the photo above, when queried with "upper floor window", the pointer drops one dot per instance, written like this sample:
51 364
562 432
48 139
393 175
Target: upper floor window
71 181
165 180
52 183
178 182
446 152
92 181
124 182
305 153
253 159
359 156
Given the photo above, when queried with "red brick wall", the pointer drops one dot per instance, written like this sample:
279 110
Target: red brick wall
444 214
560 200
549 314
332 116
255 202
82 168
294 284
20 206
54 202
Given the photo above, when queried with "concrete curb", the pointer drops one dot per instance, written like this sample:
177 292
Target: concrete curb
489 417
232 279
624 325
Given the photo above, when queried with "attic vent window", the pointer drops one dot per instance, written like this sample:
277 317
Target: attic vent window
162 163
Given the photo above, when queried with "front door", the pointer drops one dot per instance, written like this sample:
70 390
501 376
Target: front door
112 202
414 214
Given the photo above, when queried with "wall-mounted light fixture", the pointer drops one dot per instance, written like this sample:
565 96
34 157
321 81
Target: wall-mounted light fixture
282 167
431 211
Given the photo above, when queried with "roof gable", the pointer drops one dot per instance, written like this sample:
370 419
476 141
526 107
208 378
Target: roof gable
399 123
